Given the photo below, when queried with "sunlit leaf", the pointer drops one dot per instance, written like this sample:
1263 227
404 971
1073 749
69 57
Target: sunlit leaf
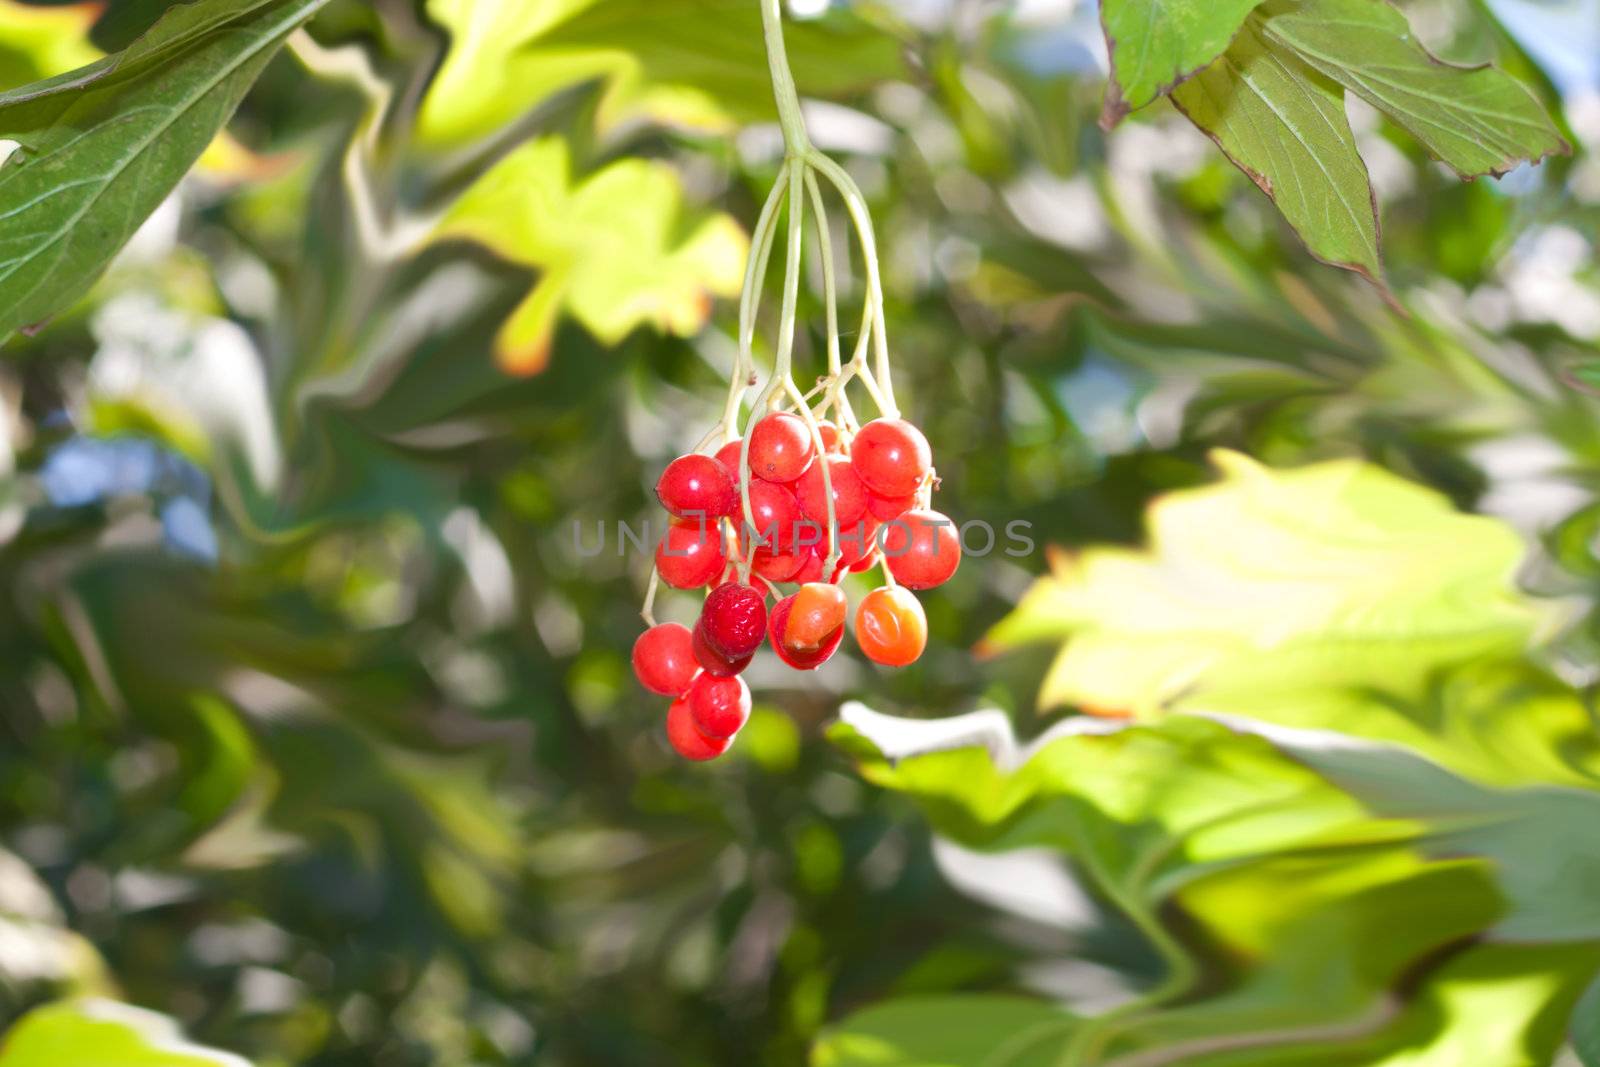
947 1031
697 63
1155 44
102 1033
1332 574
1284 125
102 147
1300 905
613 248
1479 120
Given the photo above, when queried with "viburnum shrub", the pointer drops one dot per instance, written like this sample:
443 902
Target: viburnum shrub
804 493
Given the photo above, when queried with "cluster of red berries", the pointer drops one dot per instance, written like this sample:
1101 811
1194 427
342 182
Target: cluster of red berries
879 477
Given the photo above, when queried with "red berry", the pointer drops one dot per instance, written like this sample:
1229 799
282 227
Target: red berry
663 659
734 619
696 485
690 555
780 447
800 660
832 440
849 495
719 706
890 627
891 456
815 558
729 456
712 661
774 510
921 549
884 508
857 542
816 614
687 739
778 568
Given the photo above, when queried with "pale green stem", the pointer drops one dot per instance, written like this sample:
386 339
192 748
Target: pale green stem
795 140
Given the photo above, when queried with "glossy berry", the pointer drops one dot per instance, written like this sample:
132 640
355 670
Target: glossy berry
832 440
687 739
734 620
891 456
719 706
799 659
921 549
865 563
711 661
884 508
890 626
816 614
774 510
690 554
815 559
696 485
663 659
849 495
779 567
780 447
857 542
728 455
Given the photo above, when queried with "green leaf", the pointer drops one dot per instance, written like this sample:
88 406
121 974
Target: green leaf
1284 125
103 1033
1282 908
947 1031
1585 1026
1337 574
1527 832
1156 44
697 63
1478 120
101 147
612 248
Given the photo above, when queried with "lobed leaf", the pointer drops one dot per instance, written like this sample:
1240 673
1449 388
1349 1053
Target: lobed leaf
1477 120
1283 124
697 63
611 248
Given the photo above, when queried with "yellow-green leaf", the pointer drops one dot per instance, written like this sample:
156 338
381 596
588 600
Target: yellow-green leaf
40 42
103 1033
612 248
1478 120
695 63
1284 125
1330 575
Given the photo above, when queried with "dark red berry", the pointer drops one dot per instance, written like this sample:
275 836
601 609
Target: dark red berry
663 659
719 706
687 739
780 447
734 619
696 485
891 456
712 661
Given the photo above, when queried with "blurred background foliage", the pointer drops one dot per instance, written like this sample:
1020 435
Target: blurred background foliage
319 734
